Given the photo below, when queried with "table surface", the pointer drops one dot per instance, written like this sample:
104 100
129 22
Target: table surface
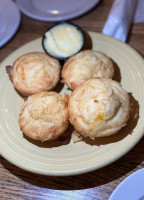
16 183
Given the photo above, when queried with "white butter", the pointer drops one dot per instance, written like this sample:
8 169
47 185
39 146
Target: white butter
63 40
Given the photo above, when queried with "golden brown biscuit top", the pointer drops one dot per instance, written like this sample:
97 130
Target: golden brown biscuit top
35 72
84 65
46 106
99 107
44 116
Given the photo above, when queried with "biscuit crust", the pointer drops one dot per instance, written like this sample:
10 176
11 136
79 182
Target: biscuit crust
35 72
99 107
85 65
44 116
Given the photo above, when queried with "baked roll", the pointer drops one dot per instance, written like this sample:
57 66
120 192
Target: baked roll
34 72
99 107
44 116
85 65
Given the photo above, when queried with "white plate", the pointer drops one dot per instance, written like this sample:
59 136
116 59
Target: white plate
55 10
132 188
53 158
9 20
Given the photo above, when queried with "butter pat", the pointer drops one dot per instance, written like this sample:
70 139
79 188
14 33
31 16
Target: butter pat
63 40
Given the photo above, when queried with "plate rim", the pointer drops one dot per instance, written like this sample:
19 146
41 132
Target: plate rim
127 179
54 18
15 26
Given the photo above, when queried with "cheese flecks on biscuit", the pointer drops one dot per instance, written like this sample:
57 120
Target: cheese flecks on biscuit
99 107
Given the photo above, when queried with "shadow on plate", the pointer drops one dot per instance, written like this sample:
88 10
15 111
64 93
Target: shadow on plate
88 41
117 74
59 87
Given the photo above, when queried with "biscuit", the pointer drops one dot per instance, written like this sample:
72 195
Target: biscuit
99 107
85 65
34 72
44 116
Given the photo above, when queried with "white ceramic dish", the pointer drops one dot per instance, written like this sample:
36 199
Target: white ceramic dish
131 188
9 20
55 10
70 159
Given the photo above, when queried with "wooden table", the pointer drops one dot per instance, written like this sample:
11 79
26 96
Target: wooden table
16 183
